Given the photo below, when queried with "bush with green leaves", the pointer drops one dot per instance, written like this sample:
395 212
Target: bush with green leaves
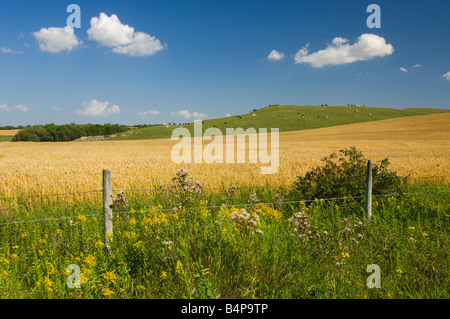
344 175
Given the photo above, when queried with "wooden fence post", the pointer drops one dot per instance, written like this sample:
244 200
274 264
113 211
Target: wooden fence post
107 210
369 191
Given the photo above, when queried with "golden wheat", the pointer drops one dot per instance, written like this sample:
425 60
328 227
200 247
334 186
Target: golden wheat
419 146
8 132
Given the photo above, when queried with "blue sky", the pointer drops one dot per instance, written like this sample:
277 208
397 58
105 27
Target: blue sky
177 61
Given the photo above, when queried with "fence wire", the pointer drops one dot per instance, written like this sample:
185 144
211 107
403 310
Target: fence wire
224 205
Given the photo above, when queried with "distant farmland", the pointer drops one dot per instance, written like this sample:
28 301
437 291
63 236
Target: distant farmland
289 118
418 145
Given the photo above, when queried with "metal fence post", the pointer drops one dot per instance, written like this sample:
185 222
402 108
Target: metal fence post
107 209
369 191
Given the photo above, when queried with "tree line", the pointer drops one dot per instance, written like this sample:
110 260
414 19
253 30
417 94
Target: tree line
67 132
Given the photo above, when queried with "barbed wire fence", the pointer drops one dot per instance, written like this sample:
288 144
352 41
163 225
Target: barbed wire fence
107 192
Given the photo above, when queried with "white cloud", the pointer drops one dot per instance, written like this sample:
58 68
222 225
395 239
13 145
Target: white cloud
367 47
57 109
55 40
6 50
151 112
403 69
6 108
142 45
446 76
110 32
228 115
275 56
417 66
199 116
182 113
97 108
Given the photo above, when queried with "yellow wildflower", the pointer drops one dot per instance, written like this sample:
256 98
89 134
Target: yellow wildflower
4 261
399 271
206 271
345 255
163 275
5 273
107 292
14 256
83 277
133 221
100 244
46 282
412 228
178 267
424 234
51 268
24 234
89 260
111 276
138 243
81 219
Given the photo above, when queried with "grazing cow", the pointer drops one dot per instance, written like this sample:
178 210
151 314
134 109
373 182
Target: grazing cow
225 123
253 114
215 126
326 118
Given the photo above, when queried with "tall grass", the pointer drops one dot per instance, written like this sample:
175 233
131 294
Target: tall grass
165 246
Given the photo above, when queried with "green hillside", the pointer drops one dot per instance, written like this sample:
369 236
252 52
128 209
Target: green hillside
290 118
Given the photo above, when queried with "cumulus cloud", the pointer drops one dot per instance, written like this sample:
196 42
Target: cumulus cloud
151 112
199 116
142 45
403 69
6 108
183 113
417 66
187 115
97 108
110 32
367 47
55 40
6 50
446 76
275 56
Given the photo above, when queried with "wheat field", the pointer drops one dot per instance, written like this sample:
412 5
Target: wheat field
8 132
419 146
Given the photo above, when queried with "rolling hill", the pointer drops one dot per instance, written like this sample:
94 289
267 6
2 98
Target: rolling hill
290 118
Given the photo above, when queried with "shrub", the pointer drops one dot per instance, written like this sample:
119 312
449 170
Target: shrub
344 175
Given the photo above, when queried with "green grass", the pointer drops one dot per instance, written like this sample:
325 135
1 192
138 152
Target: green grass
6 138
212 256
286 119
